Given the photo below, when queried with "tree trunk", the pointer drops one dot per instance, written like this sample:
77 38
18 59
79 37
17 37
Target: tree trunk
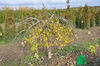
49 53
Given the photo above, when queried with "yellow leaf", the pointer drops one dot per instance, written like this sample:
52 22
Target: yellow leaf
33 48
36 55
91 47
24 41
50 24
23 44
46 38
97 45
52 21
64 44
40 29
47 46
89 32
0 34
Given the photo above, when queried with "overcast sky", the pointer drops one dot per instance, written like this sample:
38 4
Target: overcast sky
48 3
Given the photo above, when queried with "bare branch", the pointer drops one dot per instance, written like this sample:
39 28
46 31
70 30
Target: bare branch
23 22
19 34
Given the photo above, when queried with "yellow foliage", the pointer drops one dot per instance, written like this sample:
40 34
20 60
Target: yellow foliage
36 55
91 47
23 44
48 34
97 45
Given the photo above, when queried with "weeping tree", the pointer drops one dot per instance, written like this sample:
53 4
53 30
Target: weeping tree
47 33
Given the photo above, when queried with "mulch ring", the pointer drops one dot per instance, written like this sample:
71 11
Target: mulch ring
71 59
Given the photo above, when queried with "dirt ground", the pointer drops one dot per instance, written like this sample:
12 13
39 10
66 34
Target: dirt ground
85 36
14 51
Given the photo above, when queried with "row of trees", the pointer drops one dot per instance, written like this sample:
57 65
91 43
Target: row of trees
82 17
79 16
85 17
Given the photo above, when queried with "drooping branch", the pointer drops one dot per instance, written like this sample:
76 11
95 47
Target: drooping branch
23 22
33 24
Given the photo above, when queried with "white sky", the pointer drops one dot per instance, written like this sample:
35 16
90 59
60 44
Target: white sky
49 3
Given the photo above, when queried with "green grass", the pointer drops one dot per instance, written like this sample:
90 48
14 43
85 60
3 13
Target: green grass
8 42
78 29
2 42
11 63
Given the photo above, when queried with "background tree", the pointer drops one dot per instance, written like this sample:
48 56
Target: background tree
67 2
86 17
92 17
